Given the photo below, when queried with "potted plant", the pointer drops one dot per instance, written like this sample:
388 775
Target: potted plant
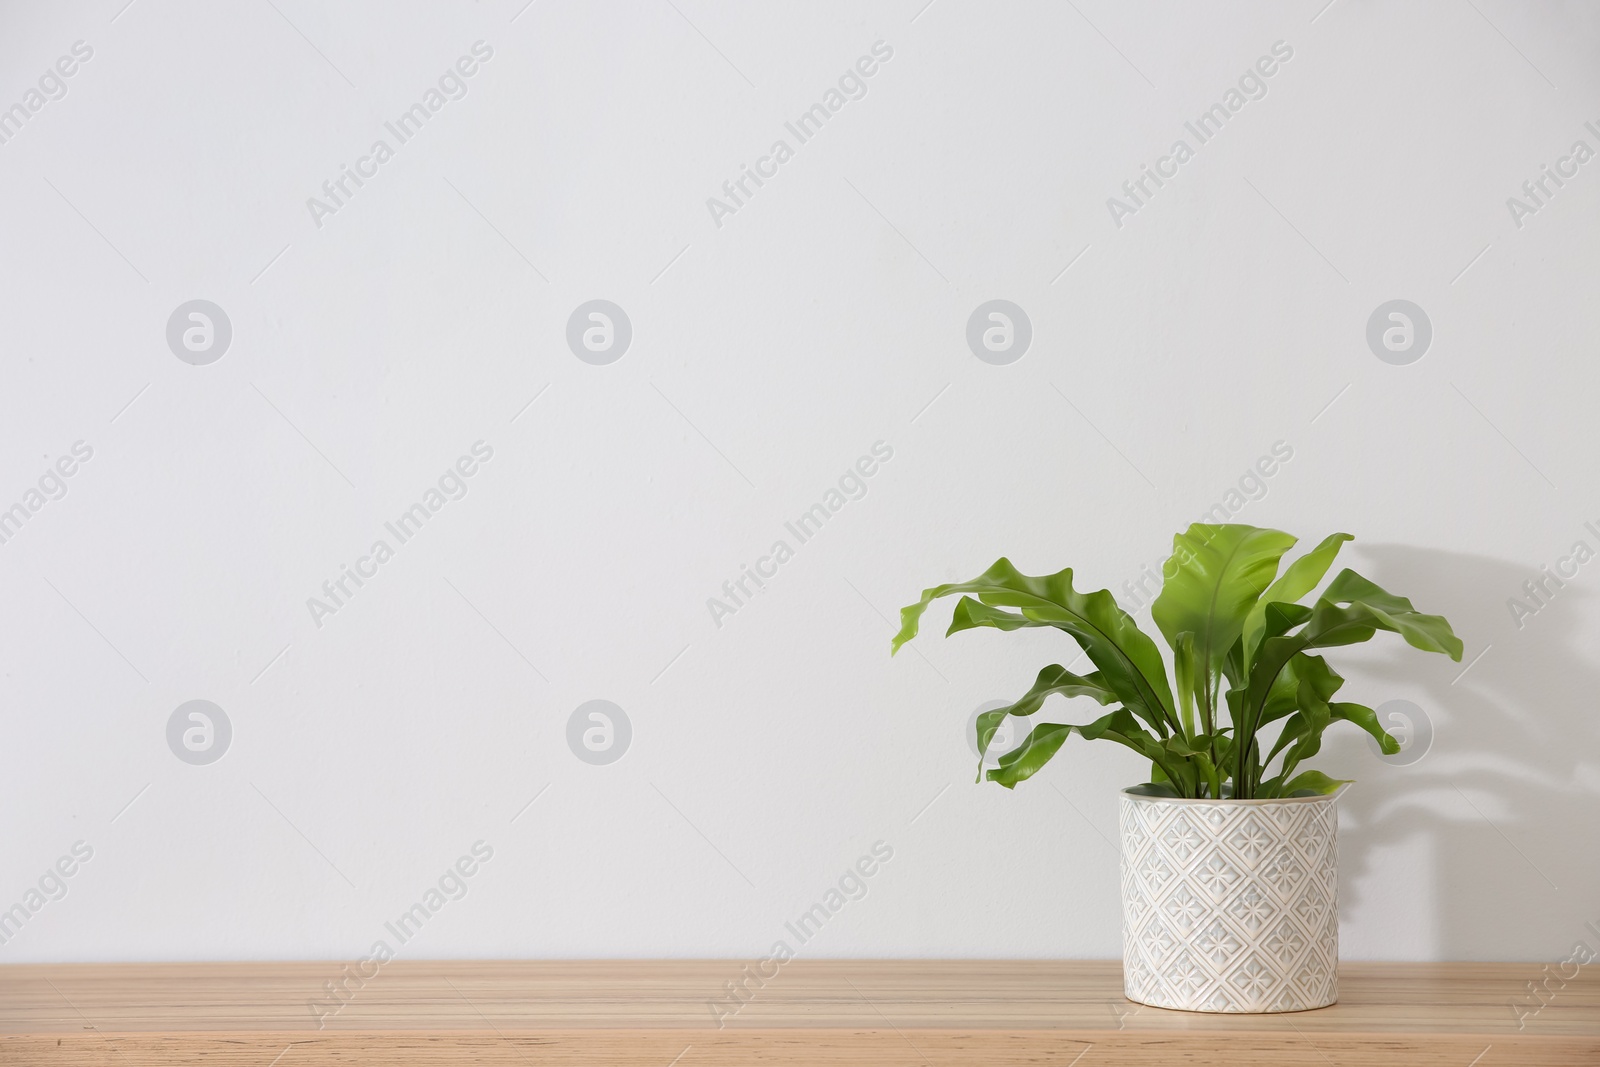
1229 852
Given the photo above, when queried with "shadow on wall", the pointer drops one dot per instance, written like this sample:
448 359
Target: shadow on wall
1506 801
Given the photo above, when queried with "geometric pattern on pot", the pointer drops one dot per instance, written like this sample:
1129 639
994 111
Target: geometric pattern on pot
1230 905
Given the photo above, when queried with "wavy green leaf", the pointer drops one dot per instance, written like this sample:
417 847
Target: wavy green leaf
1024 761
1127 659
1430 633
1367 719
1214 577
1294 728
1314 711
1153 789
1307 682
1312 783
1053 680
1298 579
1184 677
1197 751
1331 624
971 614
1042 743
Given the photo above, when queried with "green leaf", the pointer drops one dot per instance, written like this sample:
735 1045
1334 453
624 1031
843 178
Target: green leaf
1298 579
1367 719
1184 676
1054 679
1153 789
988 723
1127 659
1022 762
1431 633
1197 754
1314 711
1222 746
1213 775
971 614
1306 682
1312 784
1285 696
1215 576
1331 624
1279 618
1294 728
1057 680
1285 699
1120 726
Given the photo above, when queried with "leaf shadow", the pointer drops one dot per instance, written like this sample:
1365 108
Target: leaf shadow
1505 800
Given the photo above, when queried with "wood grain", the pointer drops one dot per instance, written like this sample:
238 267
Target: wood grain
658 1013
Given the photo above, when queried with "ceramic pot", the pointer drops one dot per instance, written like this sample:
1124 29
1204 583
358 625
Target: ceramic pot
1230 905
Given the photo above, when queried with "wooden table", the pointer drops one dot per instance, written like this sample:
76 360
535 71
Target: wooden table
667 1014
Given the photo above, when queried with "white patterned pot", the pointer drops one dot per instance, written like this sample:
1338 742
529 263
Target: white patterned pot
1230 905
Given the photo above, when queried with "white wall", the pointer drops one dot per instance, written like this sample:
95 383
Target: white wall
772 747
